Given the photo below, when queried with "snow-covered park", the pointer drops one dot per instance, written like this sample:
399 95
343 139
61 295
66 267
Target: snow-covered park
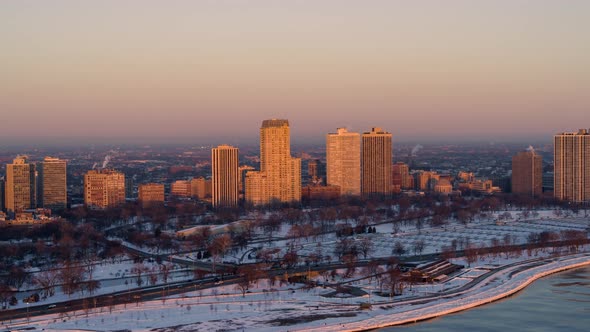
282 306
338 300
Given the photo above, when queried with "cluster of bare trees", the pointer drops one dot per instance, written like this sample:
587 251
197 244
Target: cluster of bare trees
570 240
250 274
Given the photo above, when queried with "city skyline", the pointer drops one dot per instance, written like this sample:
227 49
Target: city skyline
495 71
266 165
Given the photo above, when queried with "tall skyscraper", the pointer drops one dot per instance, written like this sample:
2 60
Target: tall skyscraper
376 163
2 188
53 192
571 152
20 185
104 188
279 178
527 173
343 161
225 176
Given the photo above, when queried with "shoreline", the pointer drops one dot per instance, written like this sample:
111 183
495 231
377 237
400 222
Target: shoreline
499 283
471 300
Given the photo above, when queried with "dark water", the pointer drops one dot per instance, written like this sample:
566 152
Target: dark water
560 302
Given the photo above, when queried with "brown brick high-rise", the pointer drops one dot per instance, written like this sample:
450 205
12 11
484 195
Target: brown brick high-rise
527 173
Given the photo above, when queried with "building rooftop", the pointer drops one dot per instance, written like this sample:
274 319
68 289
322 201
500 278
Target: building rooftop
580 132
377 131
275 123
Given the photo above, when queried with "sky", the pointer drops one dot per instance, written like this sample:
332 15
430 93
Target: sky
502 69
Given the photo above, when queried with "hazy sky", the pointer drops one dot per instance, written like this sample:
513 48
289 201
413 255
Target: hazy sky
437 69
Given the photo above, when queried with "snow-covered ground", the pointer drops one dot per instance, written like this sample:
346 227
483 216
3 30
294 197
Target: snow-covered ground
480 232
282 307
268 306
114 276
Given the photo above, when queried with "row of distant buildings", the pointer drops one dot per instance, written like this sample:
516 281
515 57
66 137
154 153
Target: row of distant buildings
361 165
571 168
29 186
278 179
356 165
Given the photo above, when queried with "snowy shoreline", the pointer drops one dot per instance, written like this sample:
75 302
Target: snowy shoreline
508 286
301 311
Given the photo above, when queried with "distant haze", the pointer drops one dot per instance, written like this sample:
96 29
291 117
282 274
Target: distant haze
213 68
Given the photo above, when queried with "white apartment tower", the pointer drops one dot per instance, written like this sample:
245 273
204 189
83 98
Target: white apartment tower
279 178
343 161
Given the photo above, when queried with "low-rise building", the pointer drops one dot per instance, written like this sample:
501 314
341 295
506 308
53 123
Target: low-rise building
320 192
151 193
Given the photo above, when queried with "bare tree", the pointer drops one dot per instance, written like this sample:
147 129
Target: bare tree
153 276
291 258
219 247
138 269
71 277
5 294
399 249
92 286
17 276
165 269
243 285
372 268
350 262
394 281
47 280
366 247
471 254
419 247
464 216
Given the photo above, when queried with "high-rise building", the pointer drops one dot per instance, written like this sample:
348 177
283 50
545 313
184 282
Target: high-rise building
401 175
225 176
256 188
571 152
53 191
151 193
343 161
279 178
104 188
376 163
2 188
548 182
129 187
243 170
527 173
20 188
